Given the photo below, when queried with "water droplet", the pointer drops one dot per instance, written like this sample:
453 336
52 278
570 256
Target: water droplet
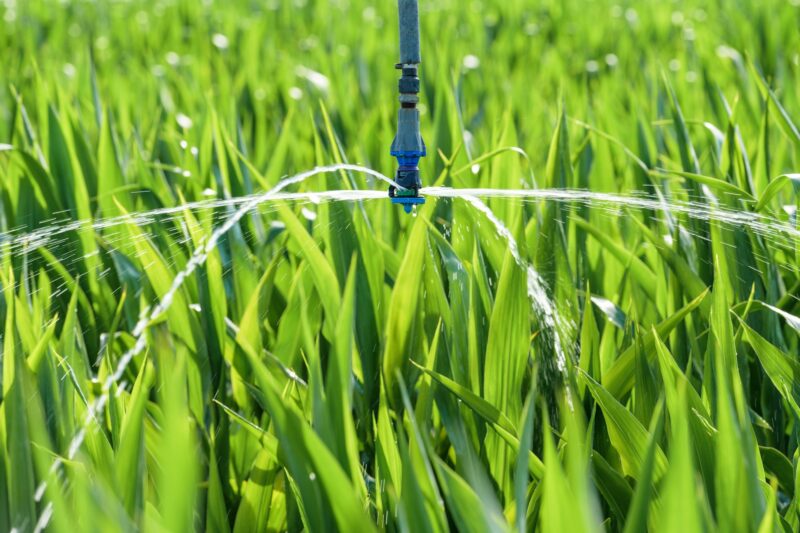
726 52
184 121
308 214
295 93
317 79
471 62
220 41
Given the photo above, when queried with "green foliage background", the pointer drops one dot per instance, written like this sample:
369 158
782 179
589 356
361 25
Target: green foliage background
343 366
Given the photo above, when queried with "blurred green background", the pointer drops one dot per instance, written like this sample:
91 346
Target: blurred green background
490 61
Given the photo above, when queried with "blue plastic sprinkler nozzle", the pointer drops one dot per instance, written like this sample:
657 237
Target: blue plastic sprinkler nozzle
408 146
407 177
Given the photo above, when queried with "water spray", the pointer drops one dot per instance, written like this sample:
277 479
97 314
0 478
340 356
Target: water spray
408 146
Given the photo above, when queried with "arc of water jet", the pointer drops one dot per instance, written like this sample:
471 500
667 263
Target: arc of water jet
198 258
44 234
537 288
693 209
755 221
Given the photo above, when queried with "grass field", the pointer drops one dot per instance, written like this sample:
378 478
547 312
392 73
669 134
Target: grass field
338 365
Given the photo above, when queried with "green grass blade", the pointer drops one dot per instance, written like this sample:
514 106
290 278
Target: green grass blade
627 434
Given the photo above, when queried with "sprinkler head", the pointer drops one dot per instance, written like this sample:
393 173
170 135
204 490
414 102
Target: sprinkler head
407 177
408 146
408 198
